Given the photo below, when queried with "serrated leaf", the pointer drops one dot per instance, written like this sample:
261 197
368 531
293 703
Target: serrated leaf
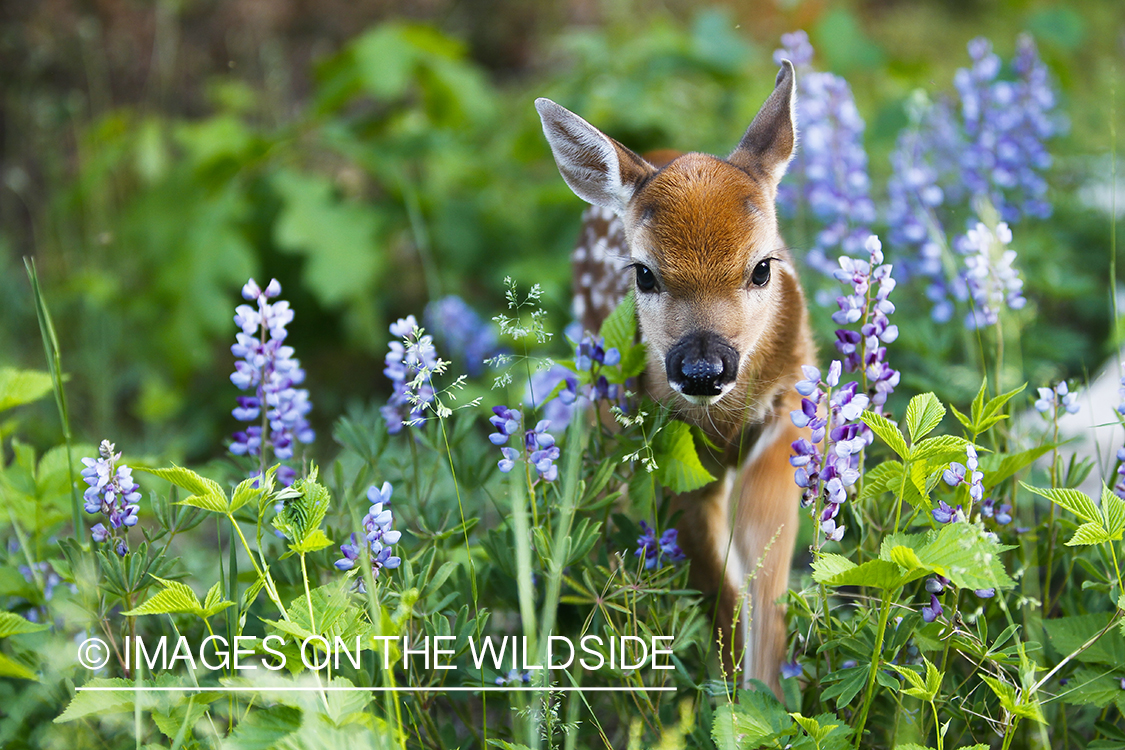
1078 503
264 728
13 624
677 459
205 493
888 431
885 477
923 414
829 565
1088 533
1113 509
757 718
316 540
959 551
174 597
306 503
214 603
245 492
942 447
22 386
880 574
620 327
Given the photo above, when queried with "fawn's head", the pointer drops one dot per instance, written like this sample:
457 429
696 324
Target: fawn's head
717 296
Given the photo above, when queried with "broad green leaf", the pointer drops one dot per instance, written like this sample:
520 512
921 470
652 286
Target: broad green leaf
1078 503
13 624
22 386
940 449
757 718
214 603
829 565
1088 533
264 728
11 668
813 727
886 477
677 460
1113 508
923 414
959 551
245 492
880 574
1069 634
87 702
888 431
315 541
205 493
306 503
174 597
336 236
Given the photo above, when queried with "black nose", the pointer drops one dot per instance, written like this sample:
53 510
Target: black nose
701 363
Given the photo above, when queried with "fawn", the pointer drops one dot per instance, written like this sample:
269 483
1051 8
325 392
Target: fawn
721 308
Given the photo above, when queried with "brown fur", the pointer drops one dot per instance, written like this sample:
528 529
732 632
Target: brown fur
702 224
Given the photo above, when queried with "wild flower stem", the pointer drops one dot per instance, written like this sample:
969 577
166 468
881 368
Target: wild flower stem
461 510
869 693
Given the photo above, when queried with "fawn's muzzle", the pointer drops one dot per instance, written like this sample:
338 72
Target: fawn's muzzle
701 364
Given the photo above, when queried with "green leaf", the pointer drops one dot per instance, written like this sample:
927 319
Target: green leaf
174 597
1113 508
306 503
13 624
999 466
206 493
264 728
1088 533
620 328
943 448
888 431
1078 503
994 404
214 602
246 492
677 460
923 414
11 668
965 421
22 386
886 477
847 686
880 574
961 552
336 236
756 719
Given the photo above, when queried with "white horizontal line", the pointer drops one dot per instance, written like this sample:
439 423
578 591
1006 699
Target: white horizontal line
341 689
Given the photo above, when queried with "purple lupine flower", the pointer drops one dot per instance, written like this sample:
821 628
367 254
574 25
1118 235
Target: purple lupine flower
828 474
379 536
831 165
658 552
112 493
869 305
791 669
944 513
514 678
409 363
537 445
991 280
934 611
1002 515
985 593
988 145
936 584
267 367
468 339
1050 399
542 383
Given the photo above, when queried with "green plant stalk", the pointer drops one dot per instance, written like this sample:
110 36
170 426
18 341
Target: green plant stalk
937 726
576 449
271 587
54 366
869 692
518 497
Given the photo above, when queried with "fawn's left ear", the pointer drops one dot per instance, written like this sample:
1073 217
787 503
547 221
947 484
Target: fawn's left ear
598 169
771 139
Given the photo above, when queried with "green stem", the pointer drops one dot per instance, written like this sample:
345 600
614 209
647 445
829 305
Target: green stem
937 726
884 615
271 587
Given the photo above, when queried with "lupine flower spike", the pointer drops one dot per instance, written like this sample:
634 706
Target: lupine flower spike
112 493
538 445
658 552
267 367
379 537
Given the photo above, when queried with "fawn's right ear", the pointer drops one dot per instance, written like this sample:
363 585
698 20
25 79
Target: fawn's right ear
598 169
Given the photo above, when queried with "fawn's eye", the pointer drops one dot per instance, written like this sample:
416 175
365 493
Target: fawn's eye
761 273
646 280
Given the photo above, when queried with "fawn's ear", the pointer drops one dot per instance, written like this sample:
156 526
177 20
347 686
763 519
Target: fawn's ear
598 169
771 139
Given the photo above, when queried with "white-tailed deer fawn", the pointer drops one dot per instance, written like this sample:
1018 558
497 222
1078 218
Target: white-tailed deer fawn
720 306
